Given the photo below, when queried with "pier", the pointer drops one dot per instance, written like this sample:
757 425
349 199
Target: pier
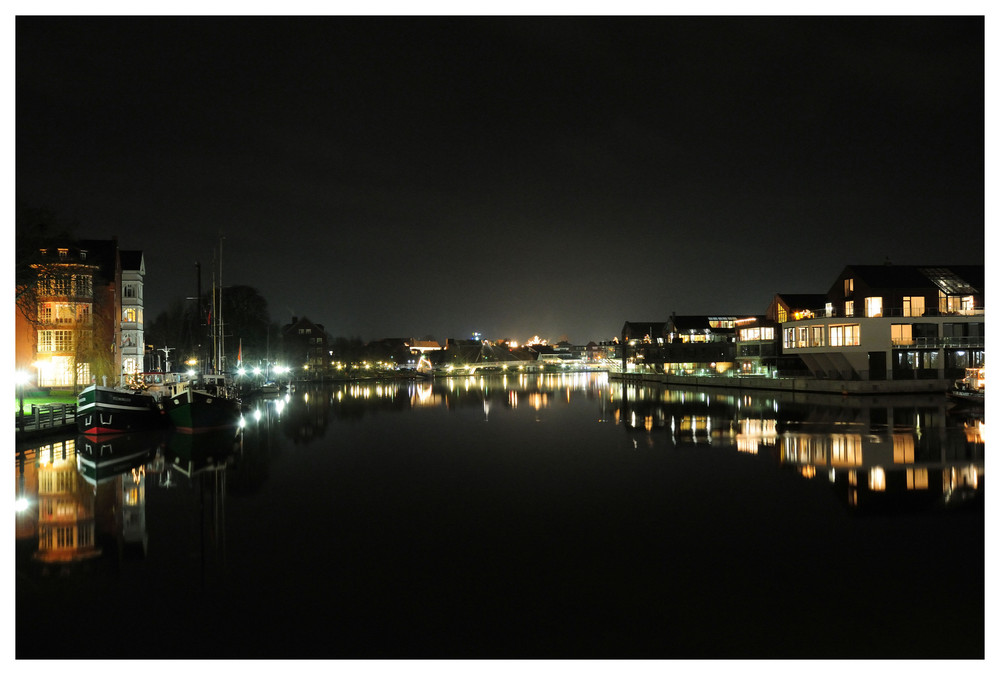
45 419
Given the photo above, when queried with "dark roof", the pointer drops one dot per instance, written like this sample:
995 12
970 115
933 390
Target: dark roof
131 260
631 328
101 252
803 300
950 278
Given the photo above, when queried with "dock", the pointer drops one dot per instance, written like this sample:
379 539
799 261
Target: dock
42 420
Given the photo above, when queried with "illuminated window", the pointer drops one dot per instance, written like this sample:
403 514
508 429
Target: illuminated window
876 479
848 335
903 447
848 286
849 308
788 338
817 336
852 335
782 314
873 306
130 315
916 479
829 309
836 336
902 334
913 305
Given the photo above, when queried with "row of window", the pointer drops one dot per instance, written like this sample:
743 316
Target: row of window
56 340
913 306
78 285
64 313
836 335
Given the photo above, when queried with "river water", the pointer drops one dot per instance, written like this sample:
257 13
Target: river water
541 516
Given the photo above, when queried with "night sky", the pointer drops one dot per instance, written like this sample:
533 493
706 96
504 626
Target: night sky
405 177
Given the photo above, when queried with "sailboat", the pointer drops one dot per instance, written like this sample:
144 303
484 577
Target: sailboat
207 402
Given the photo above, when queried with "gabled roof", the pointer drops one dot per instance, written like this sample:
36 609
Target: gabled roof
803 300
131 260
633 328
101 252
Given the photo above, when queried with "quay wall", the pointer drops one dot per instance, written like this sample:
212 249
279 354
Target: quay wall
791 384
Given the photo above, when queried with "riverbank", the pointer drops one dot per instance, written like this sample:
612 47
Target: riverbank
790 384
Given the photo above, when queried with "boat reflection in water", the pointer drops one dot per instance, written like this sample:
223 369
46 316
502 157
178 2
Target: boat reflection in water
879 454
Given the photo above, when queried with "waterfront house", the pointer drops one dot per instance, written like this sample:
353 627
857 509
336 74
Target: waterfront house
68 324
894 323
685 344
758 338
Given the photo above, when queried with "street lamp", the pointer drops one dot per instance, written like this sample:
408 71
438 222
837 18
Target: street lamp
21 377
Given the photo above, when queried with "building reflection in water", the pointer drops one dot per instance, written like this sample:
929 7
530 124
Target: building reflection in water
878 453
80 499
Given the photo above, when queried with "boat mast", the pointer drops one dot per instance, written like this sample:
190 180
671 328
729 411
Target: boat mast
221 326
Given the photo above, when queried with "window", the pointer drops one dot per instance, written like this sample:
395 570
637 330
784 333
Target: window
848 335
130 315
817 336
782 314
873 306
63 340
913 305
83 286
852 335
829 309
849 308
848 286
128 291
902 334
955 304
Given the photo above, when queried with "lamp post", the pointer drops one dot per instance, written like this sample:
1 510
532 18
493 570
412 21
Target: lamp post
21 377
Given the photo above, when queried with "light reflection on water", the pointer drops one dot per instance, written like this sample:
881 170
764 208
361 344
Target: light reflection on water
198 510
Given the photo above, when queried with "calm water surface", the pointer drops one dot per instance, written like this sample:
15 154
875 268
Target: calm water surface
519 517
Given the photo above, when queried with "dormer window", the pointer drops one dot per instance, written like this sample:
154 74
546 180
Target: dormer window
63 253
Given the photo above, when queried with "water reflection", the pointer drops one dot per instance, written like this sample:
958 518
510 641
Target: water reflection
80 499
501 509
877 453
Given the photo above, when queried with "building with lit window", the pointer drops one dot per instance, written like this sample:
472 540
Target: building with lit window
133 272
682 345
68 329
305 348
758 338
894 323
59 325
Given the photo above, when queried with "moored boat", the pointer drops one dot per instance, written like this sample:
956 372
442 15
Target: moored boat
202 405
970 389
108 410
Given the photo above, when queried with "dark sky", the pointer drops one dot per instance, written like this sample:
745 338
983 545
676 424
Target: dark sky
403 177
